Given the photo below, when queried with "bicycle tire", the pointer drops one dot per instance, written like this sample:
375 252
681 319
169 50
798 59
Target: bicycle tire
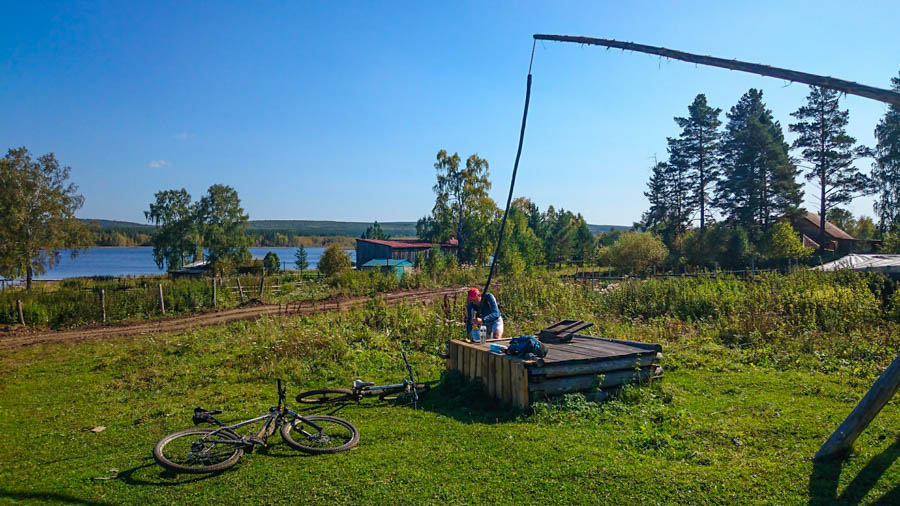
316 442
229 460
421 388
326 396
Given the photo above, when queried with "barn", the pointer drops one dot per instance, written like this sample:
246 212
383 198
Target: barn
807 226
400 249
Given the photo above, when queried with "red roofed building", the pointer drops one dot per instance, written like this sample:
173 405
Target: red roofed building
380 249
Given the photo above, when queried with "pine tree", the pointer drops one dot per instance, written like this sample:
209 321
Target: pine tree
759 181
824 144
886 169
658 193
697 150
678 176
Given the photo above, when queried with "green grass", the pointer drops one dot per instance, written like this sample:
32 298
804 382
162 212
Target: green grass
729 423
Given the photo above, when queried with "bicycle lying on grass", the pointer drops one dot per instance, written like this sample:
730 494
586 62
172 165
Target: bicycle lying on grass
408 391
207 450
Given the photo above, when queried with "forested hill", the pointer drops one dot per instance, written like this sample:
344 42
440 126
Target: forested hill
310 227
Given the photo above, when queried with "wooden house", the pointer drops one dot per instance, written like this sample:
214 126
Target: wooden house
807 225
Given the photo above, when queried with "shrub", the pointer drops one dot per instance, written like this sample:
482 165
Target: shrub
640 251
271 263
334 261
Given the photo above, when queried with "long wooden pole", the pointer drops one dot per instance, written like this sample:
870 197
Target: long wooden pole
881 392
850 87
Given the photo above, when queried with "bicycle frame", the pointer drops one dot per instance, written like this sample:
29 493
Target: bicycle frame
274 418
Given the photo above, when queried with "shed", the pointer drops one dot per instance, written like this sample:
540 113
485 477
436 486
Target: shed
400 249
807 226
887 264
398 267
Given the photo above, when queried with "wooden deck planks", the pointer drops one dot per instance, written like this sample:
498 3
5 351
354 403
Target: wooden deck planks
569 366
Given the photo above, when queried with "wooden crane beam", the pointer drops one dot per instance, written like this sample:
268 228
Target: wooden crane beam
850 87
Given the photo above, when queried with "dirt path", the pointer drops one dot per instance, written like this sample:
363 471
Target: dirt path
19 337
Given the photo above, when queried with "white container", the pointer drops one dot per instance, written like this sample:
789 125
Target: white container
483 332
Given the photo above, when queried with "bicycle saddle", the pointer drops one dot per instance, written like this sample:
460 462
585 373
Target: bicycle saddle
357 384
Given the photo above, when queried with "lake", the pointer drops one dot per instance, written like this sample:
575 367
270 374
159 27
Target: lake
139 261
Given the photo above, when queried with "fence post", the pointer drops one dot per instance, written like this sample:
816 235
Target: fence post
262 285
19 310
240 288
103 303
162 302
215 299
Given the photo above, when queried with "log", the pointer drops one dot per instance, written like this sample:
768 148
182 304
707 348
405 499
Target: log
240 289
162 302
555 371
215 299
881 392
591 381
879 94
262 286
21 313
103 303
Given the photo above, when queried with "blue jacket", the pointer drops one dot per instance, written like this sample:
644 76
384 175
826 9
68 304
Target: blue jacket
489 311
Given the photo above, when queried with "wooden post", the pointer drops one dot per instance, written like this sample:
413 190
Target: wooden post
162 302
262 285
103 303
19 310
240 289
881 392
215 302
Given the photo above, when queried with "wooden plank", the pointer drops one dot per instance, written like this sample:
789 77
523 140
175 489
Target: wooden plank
515 392
522 386
498 372
552 371
504 378
489 376
557 386
485 371
470 362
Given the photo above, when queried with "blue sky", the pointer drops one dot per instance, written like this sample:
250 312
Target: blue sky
336 110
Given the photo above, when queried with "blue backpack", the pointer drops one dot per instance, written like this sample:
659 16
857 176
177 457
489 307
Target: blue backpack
526 345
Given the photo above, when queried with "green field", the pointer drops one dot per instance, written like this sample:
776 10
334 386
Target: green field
742 407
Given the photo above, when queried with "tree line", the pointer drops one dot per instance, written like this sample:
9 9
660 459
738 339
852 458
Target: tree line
745 174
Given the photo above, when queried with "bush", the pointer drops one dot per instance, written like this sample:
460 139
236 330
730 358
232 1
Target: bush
271 263
334 261
638 251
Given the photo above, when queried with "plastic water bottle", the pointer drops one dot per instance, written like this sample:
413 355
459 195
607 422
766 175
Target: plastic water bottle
483 332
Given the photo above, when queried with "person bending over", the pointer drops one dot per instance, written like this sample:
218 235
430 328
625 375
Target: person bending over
485 306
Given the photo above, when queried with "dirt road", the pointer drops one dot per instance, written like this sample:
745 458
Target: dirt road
18 337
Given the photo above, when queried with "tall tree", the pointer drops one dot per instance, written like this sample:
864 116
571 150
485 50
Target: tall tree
224 226
176 235
37 214
759 181
300 259
374 231
659 193
824 144
461 205
696 150
886 169
678 177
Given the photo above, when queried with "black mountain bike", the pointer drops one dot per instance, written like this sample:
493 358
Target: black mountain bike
408 391
209 450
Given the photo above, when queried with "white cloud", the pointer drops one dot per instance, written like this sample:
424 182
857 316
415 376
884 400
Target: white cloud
182 136
157 164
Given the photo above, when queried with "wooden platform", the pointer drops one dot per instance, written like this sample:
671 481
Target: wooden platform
587 364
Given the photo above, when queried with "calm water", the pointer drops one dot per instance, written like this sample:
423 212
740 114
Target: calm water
138 261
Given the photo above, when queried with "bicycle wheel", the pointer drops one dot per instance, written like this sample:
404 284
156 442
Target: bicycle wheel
421 388
333 434
186 451
326 396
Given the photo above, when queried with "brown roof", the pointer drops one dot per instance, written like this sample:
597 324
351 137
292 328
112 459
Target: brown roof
410 243
830 228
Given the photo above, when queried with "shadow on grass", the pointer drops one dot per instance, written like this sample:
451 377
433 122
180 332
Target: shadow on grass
823 483
453 396
47 498
151 474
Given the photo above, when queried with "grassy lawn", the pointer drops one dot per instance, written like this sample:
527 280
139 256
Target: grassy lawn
716 429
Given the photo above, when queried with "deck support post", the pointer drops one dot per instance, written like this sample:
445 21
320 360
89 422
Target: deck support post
881 392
